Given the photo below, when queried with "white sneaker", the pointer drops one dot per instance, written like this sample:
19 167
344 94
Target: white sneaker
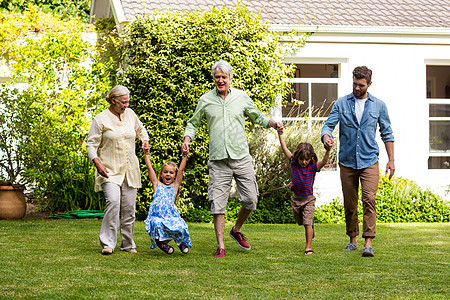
107 251
133 250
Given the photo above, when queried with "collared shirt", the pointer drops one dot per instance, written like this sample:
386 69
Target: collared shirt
226 122
113 142
358 147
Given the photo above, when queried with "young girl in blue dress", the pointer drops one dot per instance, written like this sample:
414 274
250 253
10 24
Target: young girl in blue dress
164 222
304 166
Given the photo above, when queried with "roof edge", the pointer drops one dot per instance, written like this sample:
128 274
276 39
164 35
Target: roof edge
117 9
362 29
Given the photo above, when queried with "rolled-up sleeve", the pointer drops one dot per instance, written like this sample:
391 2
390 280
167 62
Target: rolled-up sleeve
386 132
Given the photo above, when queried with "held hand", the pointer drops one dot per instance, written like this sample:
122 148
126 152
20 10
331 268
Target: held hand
146 147
185 149
390 167
328 141
279 127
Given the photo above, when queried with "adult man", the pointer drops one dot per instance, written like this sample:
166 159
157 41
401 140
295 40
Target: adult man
358 115
225 109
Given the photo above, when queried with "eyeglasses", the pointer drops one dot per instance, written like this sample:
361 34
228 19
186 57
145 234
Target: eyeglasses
122 102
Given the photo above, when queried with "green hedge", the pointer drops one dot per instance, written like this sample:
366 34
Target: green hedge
398 200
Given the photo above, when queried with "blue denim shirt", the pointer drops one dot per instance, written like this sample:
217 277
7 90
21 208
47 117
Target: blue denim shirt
358 148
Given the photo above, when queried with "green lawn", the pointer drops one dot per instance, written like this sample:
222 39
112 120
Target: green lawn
50 259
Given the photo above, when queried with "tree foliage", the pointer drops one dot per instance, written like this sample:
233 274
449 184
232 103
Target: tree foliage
57 84
67 9
168 58
32 22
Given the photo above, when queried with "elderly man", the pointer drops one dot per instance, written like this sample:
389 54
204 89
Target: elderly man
225 109
358 115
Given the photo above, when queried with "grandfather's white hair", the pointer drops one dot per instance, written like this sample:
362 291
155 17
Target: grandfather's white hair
117 91
223 66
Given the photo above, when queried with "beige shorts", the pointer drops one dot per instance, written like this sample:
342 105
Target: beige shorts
303 209
221 173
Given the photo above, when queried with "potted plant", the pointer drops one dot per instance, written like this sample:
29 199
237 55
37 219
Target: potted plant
12 136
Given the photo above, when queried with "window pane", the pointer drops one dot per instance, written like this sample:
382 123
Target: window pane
296 103
323 96
439 162
317 71
439 136
438 82
439 110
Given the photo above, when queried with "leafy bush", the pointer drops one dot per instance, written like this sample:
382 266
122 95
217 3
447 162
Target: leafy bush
167 64
402 200
398 200
68 9
332 212
60 91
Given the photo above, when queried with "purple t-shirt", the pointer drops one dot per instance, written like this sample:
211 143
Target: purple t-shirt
303 179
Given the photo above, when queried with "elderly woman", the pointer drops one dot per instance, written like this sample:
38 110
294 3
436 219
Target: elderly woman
111 147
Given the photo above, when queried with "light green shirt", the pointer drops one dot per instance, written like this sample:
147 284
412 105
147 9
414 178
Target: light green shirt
226 122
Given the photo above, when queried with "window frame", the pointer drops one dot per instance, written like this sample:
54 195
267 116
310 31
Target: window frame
339 80
431 101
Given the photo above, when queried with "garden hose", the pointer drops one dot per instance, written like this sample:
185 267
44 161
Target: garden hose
79 214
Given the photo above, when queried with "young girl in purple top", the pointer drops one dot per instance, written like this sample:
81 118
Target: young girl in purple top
304 166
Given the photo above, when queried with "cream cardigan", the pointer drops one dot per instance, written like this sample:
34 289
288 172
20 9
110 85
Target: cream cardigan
113 142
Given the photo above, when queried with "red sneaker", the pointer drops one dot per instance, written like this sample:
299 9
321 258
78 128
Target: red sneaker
219 253
240 240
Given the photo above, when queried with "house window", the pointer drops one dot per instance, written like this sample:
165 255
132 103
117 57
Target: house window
314 90
438 97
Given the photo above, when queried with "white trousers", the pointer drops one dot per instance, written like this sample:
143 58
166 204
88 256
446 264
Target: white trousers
120 203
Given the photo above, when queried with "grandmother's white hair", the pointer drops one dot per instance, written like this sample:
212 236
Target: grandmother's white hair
223 66
117 91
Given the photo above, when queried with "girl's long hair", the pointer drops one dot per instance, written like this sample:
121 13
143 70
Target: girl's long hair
305 150
174 165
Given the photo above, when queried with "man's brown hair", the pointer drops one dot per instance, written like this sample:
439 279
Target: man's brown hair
363 72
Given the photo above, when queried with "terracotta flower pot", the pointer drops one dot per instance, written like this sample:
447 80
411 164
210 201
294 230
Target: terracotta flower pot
12 202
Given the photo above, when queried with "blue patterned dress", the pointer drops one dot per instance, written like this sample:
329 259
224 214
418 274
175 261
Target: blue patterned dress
164 221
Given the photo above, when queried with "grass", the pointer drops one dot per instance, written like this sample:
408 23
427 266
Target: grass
53 259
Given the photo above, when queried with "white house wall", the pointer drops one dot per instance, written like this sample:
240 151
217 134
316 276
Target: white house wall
399 79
